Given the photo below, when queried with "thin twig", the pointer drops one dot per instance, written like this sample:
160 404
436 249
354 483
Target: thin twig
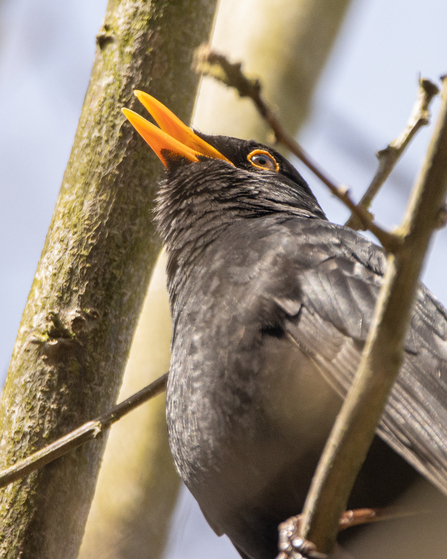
217 65
388 157
87 432
382 357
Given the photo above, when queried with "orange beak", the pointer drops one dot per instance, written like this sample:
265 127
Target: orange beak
173 136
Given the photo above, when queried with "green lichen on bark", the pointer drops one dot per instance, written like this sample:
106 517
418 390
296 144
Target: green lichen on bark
78 323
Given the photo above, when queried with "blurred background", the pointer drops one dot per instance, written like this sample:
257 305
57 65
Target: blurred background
362 101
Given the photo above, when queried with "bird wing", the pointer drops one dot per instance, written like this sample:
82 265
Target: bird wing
339 274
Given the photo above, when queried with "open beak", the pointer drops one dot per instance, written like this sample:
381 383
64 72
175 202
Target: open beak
173 137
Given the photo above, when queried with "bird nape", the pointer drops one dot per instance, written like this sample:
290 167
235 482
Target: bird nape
271 304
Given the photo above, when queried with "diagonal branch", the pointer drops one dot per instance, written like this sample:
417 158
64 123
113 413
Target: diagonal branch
217 66
389 156
355 426
87 432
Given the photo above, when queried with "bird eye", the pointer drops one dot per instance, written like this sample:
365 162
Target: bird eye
263 160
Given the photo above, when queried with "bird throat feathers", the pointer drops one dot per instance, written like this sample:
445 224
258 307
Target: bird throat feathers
198 200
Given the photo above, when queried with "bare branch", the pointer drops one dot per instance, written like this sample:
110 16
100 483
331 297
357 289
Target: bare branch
87 432
217 66
388 157
355 426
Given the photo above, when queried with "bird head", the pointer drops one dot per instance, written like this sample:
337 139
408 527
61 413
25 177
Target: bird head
218 176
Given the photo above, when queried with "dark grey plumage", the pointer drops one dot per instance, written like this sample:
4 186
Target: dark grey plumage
271 305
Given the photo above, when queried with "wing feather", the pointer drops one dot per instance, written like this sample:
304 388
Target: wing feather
338 285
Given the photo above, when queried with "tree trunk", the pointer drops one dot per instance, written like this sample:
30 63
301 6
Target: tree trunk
138 485
286 44
89 287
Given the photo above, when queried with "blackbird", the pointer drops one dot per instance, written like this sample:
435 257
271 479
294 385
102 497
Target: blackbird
271 304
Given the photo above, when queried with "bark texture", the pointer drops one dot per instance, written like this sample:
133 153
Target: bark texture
89 287
138 485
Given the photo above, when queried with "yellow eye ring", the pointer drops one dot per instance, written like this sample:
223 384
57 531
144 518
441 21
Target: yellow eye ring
262 159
